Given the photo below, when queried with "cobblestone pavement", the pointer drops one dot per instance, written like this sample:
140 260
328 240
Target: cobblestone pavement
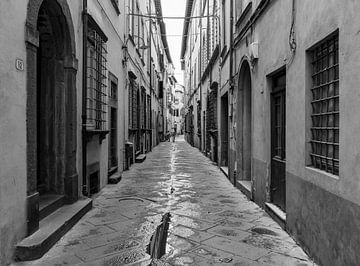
211 222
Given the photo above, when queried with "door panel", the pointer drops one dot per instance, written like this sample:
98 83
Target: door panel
278 160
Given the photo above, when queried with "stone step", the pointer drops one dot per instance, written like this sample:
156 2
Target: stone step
225 170
114 178
245 187
51 229
140 158
49 203
276 213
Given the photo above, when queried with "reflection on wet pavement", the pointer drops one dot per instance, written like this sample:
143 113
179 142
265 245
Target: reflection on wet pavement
176 208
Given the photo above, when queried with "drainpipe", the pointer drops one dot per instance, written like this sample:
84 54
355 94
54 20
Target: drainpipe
231 57
151 88
84 96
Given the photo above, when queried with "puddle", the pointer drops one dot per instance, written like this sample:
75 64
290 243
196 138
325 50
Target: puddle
157 245
264 231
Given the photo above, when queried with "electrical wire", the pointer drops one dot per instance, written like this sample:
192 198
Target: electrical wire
292 34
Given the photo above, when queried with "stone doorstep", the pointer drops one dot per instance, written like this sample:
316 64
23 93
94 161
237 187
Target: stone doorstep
51 229
114 178
49 203
225 170
140 158
276 213
245 187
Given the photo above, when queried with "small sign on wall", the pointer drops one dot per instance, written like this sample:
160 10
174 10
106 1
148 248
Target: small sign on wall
19 64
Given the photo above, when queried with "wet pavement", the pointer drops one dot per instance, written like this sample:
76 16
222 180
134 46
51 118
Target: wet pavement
175 208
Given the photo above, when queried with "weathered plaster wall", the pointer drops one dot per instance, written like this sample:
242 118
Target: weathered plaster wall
12 127
346 20
326 225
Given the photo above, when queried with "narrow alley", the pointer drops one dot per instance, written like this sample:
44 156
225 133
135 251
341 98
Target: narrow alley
209 222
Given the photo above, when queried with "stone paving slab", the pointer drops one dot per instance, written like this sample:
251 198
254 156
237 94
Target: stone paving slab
211 222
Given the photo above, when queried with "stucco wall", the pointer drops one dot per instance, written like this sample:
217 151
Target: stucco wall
308 189
12 127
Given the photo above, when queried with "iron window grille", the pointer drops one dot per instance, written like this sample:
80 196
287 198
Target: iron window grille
325 106
143 109
133 105
212 110
148 112
96 101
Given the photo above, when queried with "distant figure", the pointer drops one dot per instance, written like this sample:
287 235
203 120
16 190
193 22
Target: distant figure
173 135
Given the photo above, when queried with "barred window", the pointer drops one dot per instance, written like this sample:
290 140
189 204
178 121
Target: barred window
133 104
143 108
325 106
96 81
212 109
148 112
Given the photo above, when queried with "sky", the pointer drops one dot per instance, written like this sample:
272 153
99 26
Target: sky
174 28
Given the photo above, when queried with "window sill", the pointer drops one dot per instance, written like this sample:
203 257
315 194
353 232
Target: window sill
102 134
317 173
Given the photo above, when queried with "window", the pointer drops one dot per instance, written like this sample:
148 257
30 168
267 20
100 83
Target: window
113 90
325 106
133 104
96 105
148 112
212 109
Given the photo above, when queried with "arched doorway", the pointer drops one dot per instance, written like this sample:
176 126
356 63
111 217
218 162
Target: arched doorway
244 125
51 108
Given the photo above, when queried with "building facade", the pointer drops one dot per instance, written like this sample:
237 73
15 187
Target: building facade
283 124
71 117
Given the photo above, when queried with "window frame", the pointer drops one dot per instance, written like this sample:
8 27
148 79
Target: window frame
322 80
96 73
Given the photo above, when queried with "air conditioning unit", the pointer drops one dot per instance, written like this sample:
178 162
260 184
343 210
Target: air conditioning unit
254 50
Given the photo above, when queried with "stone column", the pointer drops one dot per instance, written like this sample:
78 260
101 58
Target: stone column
71 180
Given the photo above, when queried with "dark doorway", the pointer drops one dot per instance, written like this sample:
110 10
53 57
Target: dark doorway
278 151
224 130
244 126
51 118
50 99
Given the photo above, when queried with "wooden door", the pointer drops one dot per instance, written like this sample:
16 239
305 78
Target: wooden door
278 154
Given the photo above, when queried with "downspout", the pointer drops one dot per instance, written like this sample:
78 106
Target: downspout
231 62
84 96
151 89
200 74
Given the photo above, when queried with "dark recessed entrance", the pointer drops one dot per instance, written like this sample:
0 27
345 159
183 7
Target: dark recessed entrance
278 152
224 130
244 127
51 109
